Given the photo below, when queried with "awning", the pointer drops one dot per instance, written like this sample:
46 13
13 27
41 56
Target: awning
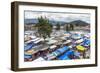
27 56
68 41
87 35
53 46
67 34
51 56
77 54
65 55
56 53
52 42
86 42
49 38
71 46
81 48
39 40
63 49
33 37
76 36
30 52
29 41
79 41
33 40
29 46
39 59
44 47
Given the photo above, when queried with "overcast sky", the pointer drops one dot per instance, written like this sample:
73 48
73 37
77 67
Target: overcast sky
66 17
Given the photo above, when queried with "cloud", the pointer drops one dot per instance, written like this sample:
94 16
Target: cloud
67 17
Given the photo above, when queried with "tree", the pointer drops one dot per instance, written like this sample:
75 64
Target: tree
71 27
44 27
66 28
58 26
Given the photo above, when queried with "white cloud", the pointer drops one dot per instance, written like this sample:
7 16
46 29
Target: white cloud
58 16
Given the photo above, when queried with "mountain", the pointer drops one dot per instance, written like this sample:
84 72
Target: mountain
79 22
35 21
30 21
54 22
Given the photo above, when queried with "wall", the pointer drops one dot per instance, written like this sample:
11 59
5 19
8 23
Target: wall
5 28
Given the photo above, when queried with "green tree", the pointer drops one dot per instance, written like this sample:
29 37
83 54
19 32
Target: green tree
44 27
58 26
71 27
67 27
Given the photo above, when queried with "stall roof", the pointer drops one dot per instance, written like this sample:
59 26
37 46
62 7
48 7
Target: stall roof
79 41
63 49
53 46
67 34
33 37
33 40
76 36
29 46
57 53
51 56
81 48
29 41
44 47
68 41
30 52
52 42
71 46
65 55
27 56
39 40
86 42
39 59
77 54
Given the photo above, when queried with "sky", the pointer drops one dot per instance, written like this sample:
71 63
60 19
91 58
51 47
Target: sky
58 16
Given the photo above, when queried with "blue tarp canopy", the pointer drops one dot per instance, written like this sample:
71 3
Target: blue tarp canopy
56 53
77 54
29 46
76 36
65 55
59 51
64 58
86 42
63 49
27 56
